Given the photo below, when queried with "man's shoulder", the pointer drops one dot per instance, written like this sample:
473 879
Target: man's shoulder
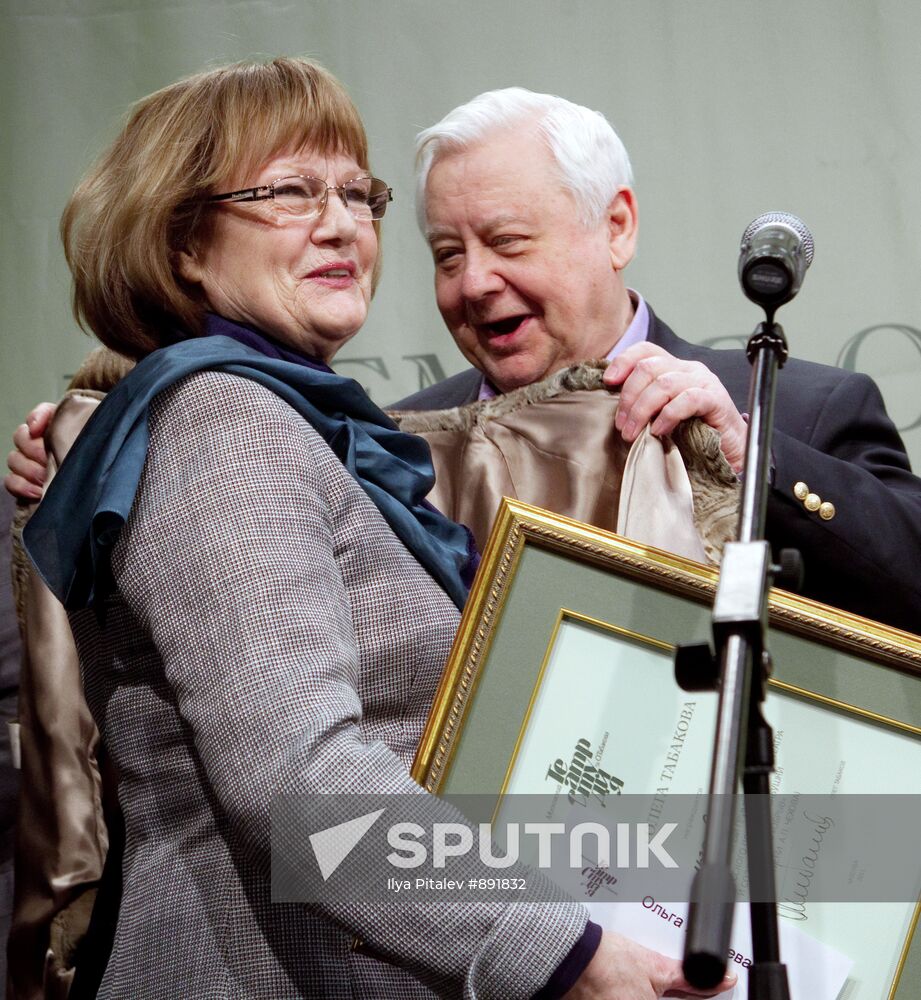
454 391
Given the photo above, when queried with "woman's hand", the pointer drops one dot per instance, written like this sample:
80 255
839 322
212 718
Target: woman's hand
28 462
624 970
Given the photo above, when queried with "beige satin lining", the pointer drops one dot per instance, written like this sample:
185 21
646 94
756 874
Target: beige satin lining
656 502
554 444
61 837
546 454
72 413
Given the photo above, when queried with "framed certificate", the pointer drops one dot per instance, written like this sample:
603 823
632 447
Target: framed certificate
569 635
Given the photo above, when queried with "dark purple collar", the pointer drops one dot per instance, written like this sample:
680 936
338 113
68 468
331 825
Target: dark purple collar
249 336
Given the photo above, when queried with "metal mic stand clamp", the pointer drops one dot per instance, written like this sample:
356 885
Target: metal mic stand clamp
744 741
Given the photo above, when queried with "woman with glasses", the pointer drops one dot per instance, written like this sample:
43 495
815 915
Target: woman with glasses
261 598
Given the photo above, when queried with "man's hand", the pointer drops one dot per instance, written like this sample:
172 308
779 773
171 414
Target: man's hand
28 462
659 389
624 970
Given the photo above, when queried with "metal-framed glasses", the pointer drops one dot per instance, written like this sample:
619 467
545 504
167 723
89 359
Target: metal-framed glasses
305 197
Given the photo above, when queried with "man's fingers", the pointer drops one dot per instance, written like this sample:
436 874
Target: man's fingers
638 398
692 402
28 462
39 418
30 470
30 447
646 372
659 390
21 488
654 381
655 399
623 365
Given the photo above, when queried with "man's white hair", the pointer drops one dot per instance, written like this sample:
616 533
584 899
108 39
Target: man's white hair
591 159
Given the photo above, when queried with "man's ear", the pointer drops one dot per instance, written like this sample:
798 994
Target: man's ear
623 227
189 266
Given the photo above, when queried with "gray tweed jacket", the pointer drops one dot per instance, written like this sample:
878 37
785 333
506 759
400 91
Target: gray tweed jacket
268 634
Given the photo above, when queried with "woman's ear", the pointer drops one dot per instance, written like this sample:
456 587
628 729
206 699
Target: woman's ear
188 266
623 227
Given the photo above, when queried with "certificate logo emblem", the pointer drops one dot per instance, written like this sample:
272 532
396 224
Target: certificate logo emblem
583 777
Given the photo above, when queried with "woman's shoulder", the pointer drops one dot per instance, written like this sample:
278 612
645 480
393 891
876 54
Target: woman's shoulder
214 419
220 402
210 390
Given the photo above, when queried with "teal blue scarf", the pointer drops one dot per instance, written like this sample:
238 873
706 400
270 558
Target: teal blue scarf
71 535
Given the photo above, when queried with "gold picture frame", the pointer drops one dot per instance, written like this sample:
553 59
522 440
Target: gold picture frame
541 570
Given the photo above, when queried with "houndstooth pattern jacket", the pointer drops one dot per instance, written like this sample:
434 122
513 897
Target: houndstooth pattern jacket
269 633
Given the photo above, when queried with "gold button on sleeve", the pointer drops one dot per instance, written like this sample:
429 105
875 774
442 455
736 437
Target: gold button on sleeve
813 501
827 511
800 491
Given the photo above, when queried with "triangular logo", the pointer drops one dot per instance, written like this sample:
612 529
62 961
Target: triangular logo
332 846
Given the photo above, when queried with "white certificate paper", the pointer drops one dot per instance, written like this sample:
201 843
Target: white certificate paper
636 724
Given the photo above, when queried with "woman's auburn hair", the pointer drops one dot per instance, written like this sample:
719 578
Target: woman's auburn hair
140 205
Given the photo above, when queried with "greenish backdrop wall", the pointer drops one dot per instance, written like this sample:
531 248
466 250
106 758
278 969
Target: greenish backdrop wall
729 108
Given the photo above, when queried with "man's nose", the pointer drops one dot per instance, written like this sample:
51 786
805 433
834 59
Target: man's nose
481 277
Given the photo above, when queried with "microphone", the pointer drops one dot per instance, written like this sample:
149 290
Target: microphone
776 250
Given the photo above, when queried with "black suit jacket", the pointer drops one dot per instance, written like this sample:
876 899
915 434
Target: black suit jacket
831 432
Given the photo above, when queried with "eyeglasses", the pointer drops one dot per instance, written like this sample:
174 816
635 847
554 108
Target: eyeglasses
305 197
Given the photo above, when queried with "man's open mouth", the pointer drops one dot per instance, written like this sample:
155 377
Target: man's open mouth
504 326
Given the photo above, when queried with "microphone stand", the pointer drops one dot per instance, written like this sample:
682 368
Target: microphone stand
744 741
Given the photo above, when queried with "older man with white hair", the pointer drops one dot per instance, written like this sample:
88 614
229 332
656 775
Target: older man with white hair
526 201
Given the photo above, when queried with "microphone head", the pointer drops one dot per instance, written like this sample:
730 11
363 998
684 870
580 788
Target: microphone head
776 252
783 219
